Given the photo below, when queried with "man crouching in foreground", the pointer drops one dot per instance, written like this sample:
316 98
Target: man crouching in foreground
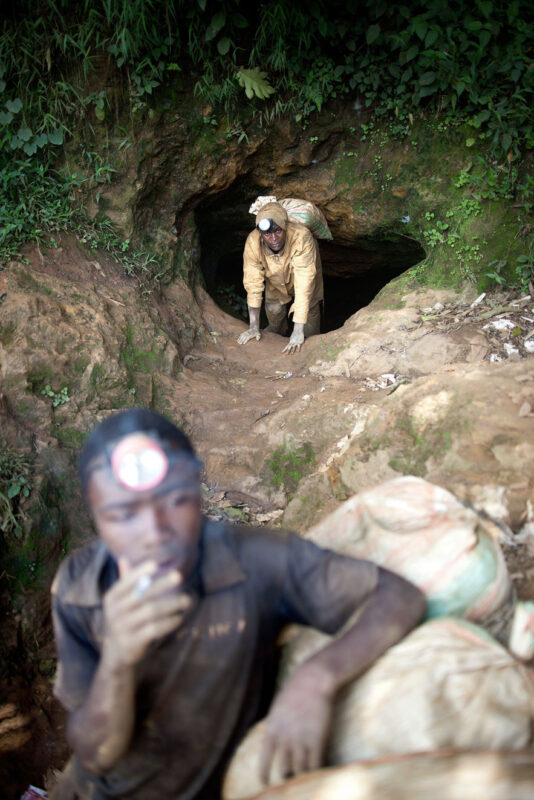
166 627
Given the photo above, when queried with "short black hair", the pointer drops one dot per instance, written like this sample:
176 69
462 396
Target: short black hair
116 426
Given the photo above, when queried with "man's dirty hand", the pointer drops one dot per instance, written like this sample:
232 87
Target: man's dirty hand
246 336
297 728
140 608
296 340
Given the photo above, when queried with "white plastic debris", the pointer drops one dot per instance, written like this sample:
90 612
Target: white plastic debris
529 345
500 325
306 396
494 357
322 389
374 384
510 349
479 299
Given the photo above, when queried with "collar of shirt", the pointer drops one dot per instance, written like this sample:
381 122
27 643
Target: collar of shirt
219 568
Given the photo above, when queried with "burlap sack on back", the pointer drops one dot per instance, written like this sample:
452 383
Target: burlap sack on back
301 211
447 684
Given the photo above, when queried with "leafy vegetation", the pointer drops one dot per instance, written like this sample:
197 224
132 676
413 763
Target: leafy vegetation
467 63
58 398
14 486
289 463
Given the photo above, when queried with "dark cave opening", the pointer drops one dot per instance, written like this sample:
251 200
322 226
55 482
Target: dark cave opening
353 273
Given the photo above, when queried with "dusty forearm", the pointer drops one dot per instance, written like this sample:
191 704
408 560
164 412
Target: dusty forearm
394 609
100 731
254 317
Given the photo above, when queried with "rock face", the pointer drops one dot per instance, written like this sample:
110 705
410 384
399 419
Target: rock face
188 182
420 381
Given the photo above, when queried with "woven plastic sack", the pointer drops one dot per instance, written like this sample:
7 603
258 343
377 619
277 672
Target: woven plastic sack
447 684
298 211
425 534
438 776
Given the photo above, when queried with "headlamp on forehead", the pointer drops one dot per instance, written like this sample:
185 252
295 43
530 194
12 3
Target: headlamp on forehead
265 224
141 461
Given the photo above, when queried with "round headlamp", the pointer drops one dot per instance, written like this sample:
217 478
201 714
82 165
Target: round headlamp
139 462
265 224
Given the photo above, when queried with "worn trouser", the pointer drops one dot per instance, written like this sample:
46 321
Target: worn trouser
278 322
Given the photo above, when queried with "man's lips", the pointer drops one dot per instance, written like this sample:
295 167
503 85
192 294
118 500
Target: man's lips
169 564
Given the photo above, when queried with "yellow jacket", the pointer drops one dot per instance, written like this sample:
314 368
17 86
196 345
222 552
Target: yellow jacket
293 274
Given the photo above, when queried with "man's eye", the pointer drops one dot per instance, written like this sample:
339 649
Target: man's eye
120 516
181 499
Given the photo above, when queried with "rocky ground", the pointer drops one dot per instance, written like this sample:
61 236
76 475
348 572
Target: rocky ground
433 383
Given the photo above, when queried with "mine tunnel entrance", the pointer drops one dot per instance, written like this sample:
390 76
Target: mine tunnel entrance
353 272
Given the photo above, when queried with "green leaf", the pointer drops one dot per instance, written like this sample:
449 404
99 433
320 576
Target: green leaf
217 22
239 20
41 140
56 137
427 78
2 86
15 142
481 117
506 141
372 34
24 134
14 105
100 113
174 67
202 4
223 45
427 90
30 148
431 37
254 83
412 52
486 8
421 28
5 117
484 38
469 142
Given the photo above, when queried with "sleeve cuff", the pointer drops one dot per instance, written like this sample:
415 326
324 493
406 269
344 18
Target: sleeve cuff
254 300
299 317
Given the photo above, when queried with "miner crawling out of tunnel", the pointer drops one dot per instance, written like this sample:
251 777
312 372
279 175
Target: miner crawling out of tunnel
282 257
166 627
